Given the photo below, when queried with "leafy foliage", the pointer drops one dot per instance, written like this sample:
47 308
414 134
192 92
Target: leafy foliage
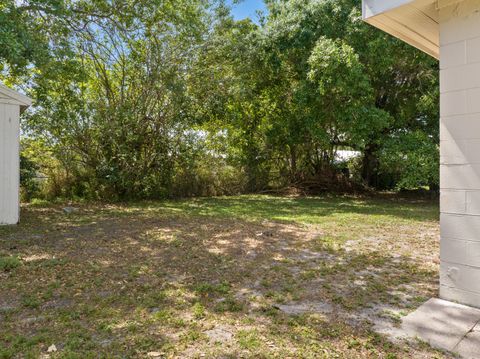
28 174
148 99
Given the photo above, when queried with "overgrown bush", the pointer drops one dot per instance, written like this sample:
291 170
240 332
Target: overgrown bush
28 178
213 178
411 160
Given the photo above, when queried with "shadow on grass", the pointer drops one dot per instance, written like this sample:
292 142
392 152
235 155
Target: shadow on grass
97 283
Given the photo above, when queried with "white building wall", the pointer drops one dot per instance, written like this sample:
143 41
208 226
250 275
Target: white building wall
460 152
9 163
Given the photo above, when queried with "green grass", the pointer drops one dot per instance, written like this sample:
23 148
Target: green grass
306 210
248 339
9 263
122 280
207 289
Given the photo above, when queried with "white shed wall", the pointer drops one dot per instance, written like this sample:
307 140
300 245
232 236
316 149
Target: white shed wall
460 152
9 163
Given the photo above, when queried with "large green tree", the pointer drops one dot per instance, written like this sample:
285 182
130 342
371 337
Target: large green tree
115 111
395 84
175 97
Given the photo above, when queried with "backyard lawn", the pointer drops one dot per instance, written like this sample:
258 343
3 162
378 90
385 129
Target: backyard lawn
249 277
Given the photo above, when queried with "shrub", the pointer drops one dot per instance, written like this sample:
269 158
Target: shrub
28 178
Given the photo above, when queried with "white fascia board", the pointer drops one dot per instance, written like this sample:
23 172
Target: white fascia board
375 7
414 21
444 3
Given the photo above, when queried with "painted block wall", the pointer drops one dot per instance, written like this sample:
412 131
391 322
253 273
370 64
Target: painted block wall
460 152
9 163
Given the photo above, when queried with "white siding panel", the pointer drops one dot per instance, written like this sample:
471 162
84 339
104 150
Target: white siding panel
460 127
460 152
460 78
452 152
453 55
473 254
460 276
473 100
461 296
453 103
460 102
459 23
456 226
453 250
473 50
452 201
9 164
473 203
460 176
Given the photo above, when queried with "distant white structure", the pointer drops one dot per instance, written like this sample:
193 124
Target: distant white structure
449 30
346 155
12 104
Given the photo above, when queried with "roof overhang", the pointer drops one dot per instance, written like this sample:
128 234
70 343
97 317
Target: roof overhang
11 97
413 21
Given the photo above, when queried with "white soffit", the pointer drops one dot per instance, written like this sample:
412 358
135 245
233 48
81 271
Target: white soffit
413 21
12 97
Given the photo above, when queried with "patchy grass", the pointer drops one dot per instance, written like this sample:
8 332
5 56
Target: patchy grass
248 276
9 263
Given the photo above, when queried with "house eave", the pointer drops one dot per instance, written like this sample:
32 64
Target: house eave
413 21
9 96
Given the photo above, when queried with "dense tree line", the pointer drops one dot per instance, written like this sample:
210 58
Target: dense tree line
157 98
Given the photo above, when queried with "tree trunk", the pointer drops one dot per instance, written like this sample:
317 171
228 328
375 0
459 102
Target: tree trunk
293 164
370 166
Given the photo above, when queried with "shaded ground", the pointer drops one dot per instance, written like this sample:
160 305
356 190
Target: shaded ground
250 277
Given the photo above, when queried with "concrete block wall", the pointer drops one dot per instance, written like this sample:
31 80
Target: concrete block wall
460 152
